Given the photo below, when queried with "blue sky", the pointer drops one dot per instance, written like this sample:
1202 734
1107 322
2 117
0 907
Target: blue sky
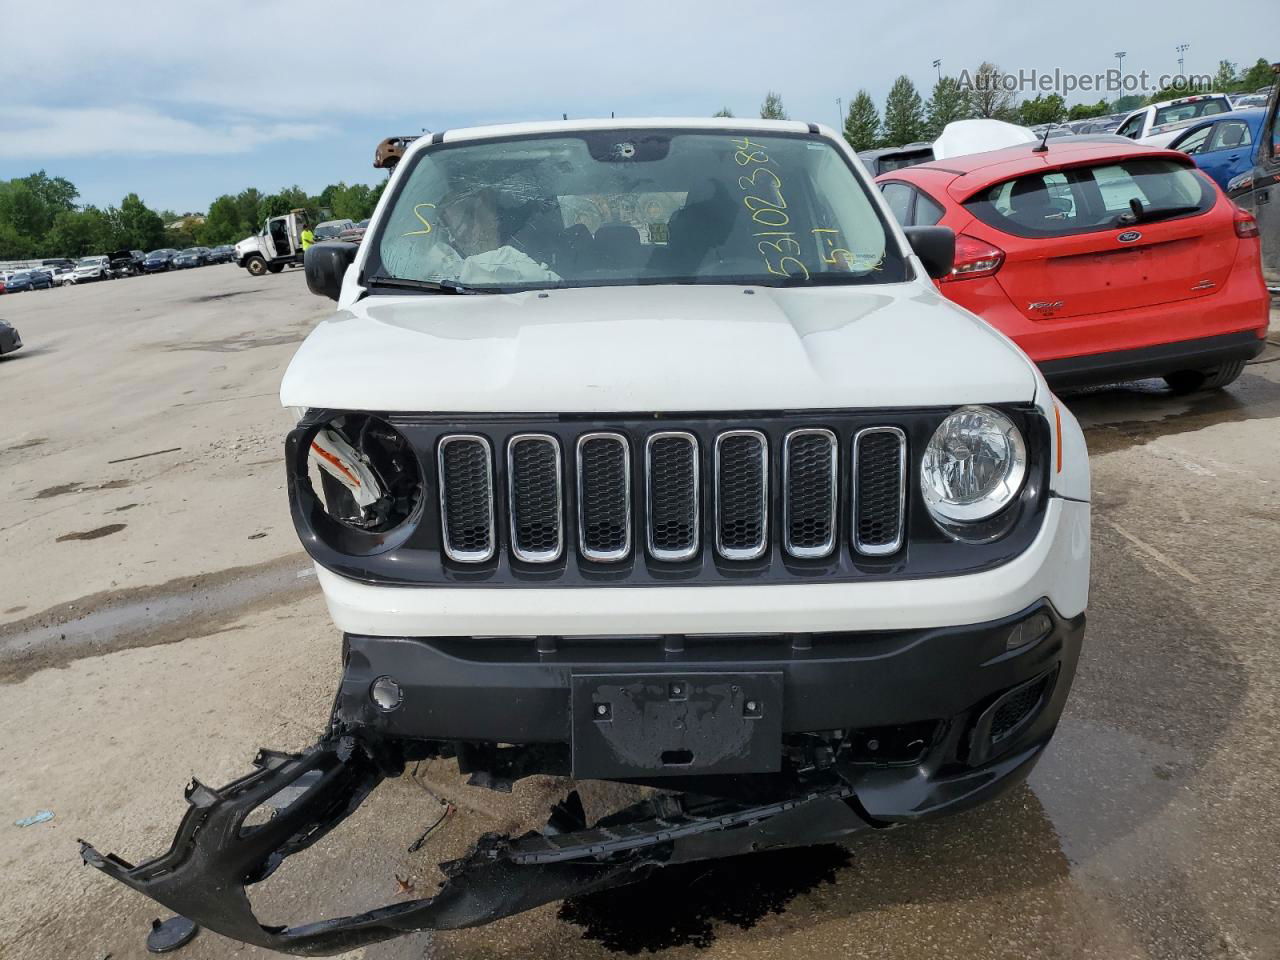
181 102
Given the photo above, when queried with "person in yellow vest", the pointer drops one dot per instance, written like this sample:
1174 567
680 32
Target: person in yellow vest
307 237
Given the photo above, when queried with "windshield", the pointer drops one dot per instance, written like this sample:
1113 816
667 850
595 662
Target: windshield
160 253
634 206
89 261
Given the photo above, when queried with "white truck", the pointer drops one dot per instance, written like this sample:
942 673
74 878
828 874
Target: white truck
276 246
648 452
1158 123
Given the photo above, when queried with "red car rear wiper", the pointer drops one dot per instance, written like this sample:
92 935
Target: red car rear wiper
1140 214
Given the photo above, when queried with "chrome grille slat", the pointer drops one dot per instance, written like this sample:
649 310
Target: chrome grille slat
879 498
672 512
604 496
741 473
465 463
535 497
810 483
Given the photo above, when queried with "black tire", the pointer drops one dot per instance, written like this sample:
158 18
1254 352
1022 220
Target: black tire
256 266
275 267
1189 381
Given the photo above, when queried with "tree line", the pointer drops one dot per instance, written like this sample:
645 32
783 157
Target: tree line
40 217
908 117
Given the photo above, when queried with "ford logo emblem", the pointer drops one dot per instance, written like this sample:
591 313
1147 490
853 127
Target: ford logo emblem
1129 236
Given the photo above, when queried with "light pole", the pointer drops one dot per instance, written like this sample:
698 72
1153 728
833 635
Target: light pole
1120 55
938 66
1182 48
840 113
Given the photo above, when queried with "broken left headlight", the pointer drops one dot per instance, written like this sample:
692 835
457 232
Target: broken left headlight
363 473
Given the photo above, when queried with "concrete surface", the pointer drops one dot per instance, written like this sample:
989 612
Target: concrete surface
157 621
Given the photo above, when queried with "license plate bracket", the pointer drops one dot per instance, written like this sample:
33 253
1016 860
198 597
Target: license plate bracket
675 724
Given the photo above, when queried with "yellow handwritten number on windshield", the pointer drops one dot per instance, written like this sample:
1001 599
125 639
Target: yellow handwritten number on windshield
426 225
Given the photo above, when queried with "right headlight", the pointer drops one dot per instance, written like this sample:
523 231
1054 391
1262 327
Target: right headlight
973 467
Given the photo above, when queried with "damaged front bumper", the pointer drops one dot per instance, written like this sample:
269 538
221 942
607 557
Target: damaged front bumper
217 853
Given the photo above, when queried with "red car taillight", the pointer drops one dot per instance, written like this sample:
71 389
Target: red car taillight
974 258
1246 225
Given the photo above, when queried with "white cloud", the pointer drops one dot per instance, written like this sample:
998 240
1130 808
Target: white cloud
95 131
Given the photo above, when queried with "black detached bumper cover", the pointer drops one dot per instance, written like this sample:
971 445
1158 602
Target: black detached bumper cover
214 856
218 852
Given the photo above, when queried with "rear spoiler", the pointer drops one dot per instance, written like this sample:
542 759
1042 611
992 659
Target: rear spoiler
390 150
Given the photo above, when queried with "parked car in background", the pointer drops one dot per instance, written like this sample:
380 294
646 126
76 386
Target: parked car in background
92 268
190 257
355 232
1247 100
9 338
63 276
1225 146
329 229
158 261
24 280
1258 190
1157 124
1103 260
886 159
124 264
221 254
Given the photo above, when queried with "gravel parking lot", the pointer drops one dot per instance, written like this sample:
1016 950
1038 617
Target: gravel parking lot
158 621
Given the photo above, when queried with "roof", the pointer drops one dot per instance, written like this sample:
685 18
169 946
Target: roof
965 175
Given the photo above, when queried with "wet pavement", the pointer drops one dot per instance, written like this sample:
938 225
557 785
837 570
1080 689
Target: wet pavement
1151 829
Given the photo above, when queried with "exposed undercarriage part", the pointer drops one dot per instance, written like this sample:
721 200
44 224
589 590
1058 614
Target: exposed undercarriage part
217 854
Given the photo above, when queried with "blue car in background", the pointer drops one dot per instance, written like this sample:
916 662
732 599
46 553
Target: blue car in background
1224 145
28 280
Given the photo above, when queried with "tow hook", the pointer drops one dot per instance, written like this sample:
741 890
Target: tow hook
216 855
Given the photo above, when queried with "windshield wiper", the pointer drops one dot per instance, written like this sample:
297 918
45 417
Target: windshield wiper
434 286
1147 214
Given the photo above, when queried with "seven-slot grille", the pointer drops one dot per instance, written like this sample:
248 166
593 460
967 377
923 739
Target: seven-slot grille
671 493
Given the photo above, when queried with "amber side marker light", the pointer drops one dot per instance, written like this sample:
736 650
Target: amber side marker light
1057 433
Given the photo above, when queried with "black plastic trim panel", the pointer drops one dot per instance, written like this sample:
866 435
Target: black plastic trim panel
411 555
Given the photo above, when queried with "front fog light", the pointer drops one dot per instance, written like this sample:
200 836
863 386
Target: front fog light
1035 628
973 467
386 694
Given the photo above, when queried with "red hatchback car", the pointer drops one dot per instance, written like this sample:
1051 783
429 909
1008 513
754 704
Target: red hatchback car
1102 260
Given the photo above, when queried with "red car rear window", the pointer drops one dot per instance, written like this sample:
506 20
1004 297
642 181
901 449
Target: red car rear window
1085 199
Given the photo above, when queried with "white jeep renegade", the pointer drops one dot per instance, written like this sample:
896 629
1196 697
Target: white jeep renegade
648 451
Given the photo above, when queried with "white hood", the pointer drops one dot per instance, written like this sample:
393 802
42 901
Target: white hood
651 348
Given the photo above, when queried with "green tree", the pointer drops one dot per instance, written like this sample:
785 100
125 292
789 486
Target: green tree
74 233
1043 108
222 223
903 113
1257 77
141 227
253 214
862 122
947 104
772 108
723 112
1227 79
990 95
1085 111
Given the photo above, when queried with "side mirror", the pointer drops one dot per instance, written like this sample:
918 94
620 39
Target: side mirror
326 264
935 246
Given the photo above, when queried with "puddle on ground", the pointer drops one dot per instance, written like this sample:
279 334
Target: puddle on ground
78 487
1120 416
214 297
116 620
97 533
682 905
